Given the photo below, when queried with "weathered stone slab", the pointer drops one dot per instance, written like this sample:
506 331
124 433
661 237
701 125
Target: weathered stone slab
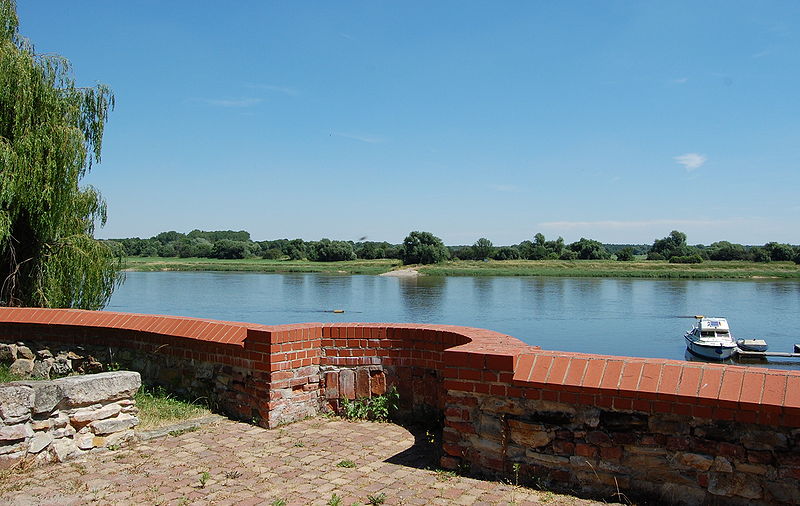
25 352
694 461
85 415
16 402
8 352
15 432
64 449
529 434
110 425
98 388
39 442
21 367
48 395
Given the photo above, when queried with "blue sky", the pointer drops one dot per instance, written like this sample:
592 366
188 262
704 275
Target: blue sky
617 121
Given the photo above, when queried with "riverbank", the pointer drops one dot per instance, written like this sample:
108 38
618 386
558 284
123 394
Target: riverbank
556 268
153 264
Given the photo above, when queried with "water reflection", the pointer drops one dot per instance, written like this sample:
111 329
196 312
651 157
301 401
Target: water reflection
422 298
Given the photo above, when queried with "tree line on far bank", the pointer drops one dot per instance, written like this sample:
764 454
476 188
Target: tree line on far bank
426 248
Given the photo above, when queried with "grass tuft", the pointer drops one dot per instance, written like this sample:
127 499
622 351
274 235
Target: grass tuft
158 408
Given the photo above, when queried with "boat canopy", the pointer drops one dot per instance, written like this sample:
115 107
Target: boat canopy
714 324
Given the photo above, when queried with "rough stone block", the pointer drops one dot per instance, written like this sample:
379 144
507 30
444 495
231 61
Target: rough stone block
547 459
15 432
25 352
40 442
48 395
98 388
21 367
729 485
111 425
85 441
530 435
8 353
694 461
64 449
85 415
16 403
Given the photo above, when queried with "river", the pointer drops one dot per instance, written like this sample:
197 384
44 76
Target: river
629 317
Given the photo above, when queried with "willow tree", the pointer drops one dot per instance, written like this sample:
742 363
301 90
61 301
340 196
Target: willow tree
50 134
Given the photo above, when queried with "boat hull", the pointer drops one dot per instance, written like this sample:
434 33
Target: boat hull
711 351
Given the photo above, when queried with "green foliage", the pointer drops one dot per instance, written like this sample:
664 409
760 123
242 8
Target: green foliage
326 250
423 248
686 259
226 248
672 245
374 500
50 134
346 463
779 252
335 500
379 408
588 249
625 254
482 249
506 253
724 250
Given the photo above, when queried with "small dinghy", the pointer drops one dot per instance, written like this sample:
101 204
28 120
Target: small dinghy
752 344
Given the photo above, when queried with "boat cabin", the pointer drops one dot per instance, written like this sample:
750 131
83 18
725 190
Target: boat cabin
714 327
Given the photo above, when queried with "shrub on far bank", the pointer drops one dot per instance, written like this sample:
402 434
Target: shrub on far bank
423 248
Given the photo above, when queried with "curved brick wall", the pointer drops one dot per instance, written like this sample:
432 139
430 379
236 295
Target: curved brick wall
677 431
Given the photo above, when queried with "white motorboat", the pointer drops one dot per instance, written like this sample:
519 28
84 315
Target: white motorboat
711 339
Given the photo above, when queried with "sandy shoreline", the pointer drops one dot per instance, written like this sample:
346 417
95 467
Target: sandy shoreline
408 272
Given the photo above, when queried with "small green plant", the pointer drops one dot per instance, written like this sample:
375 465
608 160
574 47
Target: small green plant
204 477
183 501
335 500
279 502
114 447
378 408
374 500
300 444
346 463
444 475
516 467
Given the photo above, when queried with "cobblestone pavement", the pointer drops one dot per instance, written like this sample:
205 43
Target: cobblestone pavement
235 463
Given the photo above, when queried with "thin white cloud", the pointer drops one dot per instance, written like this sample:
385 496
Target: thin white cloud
762 54
346 36
691 161
286 90
681 80
369 139
224 102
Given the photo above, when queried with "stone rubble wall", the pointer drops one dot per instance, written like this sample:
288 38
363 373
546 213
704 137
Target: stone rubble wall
64 418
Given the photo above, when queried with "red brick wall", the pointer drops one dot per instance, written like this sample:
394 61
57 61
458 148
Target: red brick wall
504 403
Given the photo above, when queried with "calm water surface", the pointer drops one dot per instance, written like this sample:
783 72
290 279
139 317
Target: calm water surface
631 317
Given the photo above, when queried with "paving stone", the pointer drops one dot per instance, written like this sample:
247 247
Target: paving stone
264 465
